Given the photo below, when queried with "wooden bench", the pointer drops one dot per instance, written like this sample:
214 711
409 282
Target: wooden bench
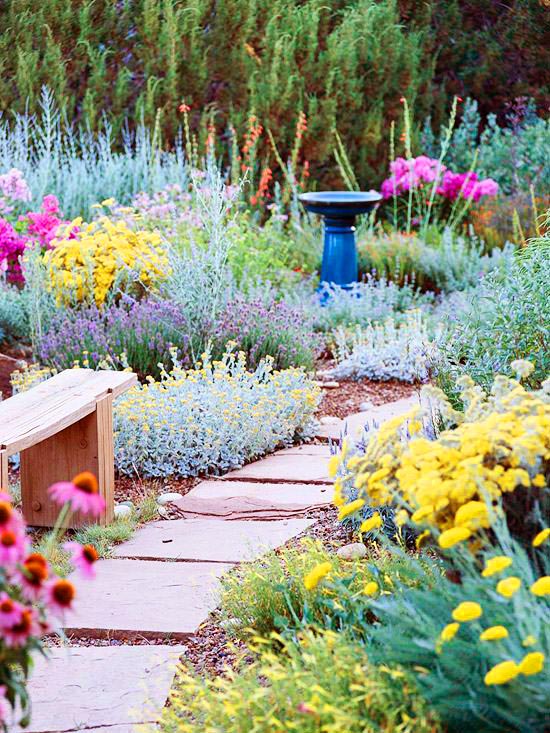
61 427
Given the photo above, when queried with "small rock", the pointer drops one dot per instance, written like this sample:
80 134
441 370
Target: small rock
326 385
329 420
122 511
126 503
168 498
163 511
353 551
365 406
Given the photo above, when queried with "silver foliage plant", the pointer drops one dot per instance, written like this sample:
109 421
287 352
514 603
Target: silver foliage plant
81 168
211 419
385 351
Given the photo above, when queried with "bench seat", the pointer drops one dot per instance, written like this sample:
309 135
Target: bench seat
61 426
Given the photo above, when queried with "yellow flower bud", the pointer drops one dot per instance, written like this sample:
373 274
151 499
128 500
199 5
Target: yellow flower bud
532 663
467 611
496 565
494 633
507 587
541 587
502 673
449 632
450 537
371 588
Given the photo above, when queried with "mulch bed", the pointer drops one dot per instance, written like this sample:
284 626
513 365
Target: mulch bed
347 398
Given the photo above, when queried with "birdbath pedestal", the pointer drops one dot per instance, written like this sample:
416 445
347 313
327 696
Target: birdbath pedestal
339 210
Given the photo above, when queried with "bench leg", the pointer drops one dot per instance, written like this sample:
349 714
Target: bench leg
85 446
4 485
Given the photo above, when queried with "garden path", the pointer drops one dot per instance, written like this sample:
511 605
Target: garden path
161 585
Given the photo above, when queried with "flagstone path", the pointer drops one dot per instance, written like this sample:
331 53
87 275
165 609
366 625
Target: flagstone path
164 581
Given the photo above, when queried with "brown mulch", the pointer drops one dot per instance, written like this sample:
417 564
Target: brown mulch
135 489
346 399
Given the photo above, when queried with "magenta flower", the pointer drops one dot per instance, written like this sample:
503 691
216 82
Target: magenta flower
10 611
83 557
50 204
82 493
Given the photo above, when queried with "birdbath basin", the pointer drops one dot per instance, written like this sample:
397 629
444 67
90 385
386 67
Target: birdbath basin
339 210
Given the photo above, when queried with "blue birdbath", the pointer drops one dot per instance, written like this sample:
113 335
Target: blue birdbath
339 210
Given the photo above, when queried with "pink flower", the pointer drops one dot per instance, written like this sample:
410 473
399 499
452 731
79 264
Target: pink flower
10 611
12 247
13 546
82 493
33 576
18 633
83 557
50 204
60 596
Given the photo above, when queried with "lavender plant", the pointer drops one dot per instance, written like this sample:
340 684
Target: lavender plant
138 334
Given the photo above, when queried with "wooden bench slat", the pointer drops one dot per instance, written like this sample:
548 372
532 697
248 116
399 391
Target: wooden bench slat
30 417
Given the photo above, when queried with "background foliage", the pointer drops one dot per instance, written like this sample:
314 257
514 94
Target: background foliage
345 64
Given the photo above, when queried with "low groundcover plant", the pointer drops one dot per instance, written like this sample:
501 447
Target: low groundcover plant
211 418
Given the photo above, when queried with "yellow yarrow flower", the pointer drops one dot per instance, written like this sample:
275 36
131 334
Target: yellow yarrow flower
474 514
541 587
496 565
532 663
319 572
541 537
502 673
507 587
451 537
529 641
494 633
467 611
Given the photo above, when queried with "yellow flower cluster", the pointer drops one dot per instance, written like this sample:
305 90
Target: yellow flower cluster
502 443
23 380
92 258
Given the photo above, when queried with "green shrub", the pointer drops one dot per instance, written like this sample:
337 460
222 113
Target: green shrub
505 318
14 318
270 595
446 264
425 631
318 683
268 59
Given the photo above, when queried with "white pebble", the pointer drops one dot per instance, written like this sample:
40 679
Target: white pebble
168 497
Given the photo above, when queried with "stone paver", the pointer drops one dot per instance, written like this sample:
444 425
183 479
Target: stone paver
209 540
101 688
284 466
141 598
354 424
231 500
